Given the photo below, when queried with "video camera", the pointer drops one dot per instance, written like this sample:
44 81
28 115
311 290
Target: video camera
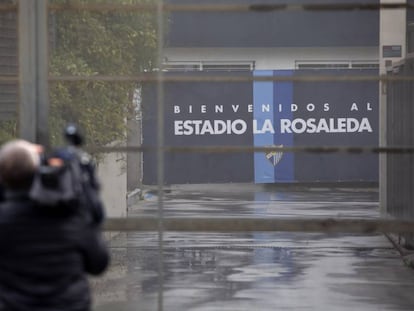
66 179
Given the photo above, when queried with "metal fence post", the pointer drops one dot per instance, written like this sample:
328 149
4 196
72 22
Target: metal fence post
33 71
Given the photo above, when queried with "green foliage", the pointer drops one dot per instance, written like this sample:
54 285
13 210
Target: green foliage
106 43
8 130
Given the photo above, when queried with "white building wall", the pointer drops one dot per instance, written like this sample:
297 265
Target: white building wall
112 177
273 58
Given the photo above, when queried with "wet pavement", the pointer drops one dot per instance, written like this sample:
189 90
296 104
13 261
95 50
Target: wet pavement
256 271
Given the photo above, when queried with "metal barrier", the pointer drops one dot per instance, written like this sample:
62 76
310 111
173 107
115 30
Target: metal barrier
400 167
400 140
327 225
399 85
399 145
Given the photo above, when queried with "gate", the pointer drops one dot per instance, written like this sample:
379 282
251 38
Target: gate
400 166
81 64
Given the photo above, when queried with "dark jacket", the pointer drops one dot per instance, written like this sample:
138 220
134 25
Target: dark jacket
45 255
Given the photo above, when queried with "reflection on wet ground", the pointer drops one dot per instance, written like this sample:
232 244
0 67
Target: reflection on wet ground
256 271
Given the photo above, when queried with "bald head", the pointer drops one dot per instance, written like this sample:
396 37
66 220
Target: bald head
19 160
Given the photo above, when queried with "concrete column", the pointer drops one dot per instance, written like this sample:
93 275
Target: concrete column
392 36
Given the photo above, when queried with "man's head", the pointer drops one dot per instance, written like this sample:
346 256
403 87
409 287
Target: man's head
19 160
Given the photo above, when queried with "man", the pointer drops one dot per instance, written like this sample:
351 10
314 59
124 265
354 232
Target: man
45 253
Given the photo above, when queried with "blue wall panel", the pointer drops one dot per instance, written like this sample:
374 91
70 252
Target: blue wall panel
283 98
263 97
264 114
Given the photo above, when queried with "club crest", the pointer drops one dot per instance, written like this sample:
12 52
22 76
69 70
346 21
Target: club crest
274 157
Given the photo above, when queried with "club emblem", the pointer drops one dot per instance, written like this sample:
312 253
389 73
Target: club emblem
274 157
